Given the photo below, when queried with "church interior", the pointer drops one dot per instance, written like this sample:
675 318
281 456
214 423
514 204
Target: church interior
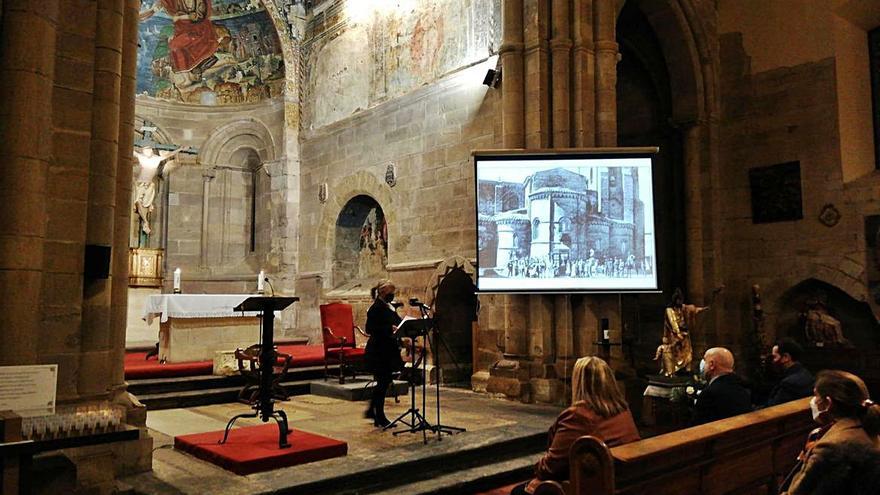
193 189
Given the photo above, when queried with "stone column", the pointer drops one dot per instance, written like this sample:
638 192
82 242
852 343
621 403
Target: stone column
512 121
560 56
27 65
122 224
513 79
207 176
604 22
693 208
96 356
563 335
537 74
584 83
68 193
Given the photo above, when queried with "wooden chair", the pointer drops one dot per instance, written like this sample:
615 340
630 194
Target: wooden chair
249 366
340 346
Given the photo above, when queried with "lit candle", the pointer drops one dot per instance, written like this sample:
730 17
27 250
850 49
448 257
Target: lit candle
177 280
261 278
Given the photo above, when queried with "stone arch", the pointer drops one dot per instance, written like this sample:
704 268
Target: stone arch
854 287
233 136
358 184
442 270
686 50
159 135
859 323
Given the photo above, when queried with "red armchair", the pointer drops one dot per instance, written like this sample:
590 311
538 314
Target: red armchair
340 347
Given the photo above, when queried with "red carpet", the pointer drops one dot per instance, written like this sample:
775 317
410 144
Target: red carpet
255 448
136 367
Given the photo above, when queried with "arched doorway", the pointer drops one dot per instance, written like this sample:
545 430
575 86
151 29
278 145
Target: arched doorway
645 118
361 251
455 310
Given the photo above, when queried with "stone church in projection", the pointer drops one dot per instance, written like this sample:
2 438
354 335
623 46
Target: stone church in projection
561 215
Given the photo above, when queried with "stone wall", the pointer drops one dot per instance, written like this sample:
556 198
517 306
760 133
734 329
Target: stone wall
778 109
236 145
428 136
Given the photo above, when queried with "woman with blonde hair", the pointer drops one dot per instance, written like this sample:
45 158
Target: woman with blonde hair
382 353
598 408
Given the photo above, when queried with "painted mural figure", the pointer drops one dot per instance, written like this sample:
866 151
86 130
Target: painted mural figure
675 353
151 167
373 245
194 42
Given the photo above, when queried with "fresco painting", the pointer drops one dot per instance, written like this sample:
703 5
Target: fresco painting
392 52
214 52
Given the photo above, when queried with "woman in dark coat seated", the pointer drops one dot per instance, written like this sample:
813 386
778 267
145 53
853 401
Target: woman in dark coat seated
598 409
382 354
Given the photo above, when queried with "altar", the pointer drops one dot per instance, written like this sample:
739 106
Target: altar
193 327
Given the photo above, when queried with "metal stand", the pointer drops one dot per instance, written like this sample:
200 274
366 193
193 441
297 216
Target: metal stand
264 407
417 422
439 428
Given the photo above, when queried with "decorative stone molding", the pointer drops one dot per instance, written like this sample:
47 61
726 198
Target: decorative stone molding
229 138
442 270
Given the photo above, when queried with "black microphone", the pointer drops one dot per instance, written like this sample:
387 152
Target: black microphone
414 301
396 305
266 279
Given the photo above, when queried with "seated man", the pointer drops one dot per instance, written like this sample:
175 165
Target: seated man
725 396
796 381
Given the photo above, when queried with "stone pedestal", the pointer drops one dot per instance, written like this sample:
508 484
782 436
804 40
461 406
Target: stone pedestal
198 339
511 378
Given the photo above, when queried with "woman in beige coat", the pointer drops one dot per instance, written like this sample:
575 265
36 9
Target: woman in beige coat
842 456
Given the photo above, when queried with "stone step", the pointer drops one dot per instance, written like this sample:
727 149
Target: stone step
501 461
472 480
150 386
203 397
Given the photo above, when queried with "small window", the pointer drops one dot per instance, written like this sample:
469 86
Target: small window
536 225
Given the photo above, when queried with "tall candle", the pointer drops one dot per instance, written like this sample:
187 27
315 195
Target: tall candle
261 278
177 280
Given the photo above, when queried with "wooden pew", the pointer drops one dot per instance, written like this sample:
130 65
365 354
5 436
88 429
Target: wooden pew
746 454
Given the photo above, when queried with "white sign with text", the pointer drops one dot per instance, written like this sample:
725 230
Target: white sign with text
28 390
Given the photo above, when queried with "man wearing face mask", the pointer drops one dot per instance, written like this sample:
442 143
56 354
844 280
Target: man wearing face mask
796 381
725 396
382 353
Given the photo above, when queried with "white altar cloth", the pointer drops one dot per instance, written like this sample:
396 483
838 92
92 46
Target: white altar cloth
194 306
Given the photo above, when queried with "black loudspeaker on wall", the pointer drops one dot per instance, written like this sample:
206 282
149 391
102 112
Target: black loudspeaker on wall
97 262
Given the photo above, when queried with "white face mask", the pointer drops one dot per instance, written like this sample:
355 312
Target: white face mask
814 409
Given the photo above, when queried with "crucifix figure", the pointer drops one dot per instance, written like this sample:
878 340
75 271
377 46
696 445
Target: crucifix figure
153 159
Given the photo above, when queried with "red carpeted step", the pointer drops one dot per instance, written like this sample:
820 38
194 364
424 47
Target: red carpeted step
136 367
255 448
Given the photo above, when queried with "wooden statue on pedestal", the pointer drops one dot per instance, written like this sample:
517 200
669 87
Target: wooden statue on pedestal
675 353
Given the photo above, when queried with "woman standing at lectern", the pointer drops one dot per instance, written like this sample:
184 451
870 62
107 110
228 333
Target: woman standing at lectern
382 353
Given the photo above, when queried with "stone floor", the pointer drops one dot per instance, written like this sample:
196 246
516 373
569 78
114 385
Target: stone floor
489 421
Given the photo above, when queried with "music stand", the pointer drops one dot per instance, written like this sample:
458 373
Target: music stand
264 407
414 329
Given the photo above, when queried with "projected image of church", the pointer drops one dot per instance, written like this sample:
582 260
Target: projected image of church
566 227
